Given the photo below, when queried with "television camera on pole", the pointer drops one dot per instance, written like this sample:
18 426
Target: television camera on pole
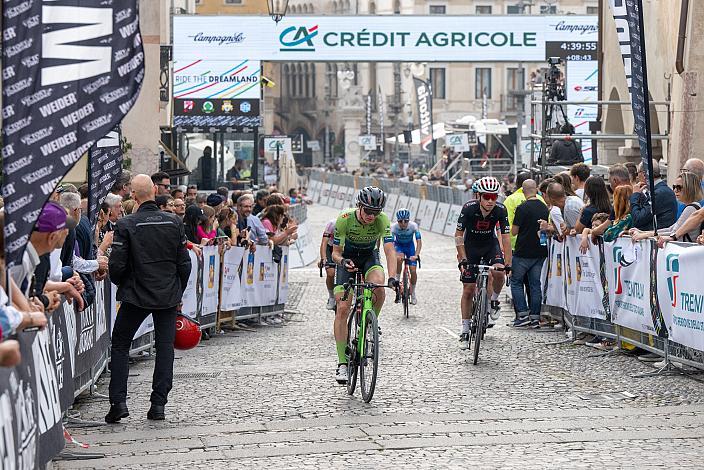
554 114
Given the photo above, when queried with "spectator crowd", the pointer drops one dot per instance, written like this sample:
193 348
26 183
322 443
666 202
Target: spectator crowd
65 256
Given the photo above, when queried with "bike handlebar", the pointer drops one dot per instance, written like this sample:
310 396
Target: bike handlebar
482 267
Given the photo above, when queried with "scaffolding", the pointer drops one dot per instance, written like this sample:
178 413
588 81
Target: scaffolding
542 136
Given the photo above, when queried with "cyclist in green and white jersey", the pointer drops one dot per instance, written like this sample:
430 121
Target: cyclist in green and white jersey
357 232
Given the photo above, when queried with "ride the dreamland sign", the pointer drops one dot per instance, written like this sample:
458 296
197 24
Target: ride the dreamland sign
379 38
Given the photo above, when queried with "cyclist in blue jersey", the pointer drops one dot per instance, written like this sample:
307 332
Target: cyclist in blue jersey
408 244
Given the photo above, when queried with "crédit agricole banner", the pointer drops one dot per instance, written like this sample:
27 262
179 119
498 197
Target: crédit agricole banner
378 38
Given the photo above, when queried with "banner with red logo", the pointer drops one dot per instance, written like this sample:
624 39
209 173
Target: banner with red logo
680 293
628 272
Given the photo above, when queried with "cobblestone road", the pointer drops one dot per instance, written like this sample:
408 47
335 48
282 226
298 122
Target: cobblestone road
271 401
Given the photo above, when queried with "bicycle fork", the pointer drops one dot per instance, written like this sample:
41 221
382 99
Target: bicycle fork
366 306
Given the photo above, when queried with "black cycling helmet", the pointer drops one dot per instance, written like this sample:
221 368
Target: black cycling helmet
371 197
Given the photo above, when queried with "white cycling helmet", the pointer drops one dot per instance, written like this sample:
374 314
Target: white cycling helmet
489 185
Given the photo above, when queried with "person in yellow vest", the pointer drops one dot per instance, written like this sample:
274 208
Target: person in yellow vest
518 198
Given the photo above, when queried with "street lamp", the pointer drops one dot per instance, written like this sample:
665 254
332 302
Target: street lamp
277 9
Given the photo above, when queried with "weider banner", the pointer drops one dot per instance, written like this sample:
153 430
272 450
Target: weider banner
425 113
105 160
628 15
71 71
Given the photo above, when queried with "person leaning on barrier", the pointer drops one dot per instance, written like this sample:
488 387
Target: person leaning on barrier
151 266
250 223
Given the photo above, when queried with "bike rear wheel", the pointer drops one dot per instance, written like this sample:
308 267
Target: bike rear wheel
352 353
369 357
479 322
405 295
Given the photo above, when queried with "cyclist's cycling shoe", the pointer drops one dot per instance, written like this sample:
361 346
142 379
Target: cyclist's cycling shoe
413 299
331 303
495 312
341 374
464 341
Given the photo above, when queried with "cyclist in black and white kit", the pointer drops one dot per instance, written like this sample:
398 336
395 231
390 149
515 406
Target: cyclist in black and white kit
477 243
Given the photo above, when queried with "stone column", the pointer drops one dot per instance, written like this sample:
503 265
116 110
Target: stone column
352 112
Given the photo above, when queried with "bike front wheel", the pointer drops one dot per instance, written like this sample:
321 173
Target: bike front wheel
405 294
352 353
479 322
369 357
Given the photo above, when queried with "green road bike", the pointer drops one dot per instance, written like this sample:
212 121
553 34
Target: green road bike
362 337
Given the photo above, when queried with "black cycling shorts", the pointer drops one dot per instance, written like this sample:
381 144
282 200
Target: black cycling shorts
328 254
365 264
488 255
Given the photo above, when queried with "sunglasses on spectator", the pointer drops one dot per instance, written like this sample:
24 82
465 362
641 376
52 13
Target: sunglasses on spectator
677 187
371 212
490 197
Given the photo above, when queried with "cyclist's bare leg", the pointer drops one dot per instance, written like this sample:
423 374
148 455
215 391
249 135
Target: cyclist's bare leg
497 279
330 278
376 276
414 277
399 262
467 302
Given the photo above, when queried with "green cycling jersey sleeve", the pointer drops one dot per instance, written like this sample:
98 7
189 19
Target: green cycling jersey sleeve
357 239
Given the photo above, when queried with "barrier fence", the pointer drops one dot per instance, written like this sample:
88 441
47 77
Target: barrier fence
631 292
66 359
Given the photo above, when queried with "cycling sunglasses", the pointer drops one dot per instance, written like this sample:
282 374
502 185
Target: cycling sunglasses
490 197
403 221
371 212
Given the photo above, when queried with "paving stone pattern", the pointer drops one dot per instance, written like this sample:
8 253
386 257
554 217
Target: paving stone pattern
525 405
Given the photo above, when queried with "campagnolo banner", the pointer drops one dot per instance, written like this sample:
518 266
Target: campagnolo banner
71 71
378 38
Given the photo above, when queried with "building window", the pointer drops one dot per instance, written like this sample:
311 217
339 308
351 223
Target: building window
592 10
483 10
437 82
438 9
515 81
514 10
548 10
482 83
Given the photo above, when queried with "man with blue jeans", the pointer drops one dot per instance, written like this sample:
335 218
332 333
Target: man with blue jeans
528 257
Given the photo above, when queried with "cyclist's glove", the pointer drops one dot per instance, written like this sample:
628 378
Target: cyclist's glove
393 282
462 264
507 270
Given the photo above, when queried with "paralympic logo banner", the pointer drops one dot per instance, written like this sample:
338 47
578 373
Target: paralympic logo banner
628 267
680 293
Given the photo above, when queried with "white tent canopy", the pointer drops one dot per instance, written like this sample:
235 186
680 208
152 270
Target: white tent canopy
463 124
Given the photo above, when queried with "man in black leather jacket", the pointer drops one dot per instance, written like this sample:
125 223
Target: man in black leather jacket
150 265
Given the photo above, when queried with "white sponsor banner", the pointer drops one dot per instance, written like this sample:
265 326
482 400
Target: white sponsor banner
389 208
283 275
413 204
352 201
190 299
283 144
224 79
211 279
451 224
325 194
440 217
306 244
231 285
426 213
401 204
628 274
571 252
680 293
266 276
458 142
332 202
341 197
555 288
249 290
389 38
367 142
349 199
588 280
581 84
